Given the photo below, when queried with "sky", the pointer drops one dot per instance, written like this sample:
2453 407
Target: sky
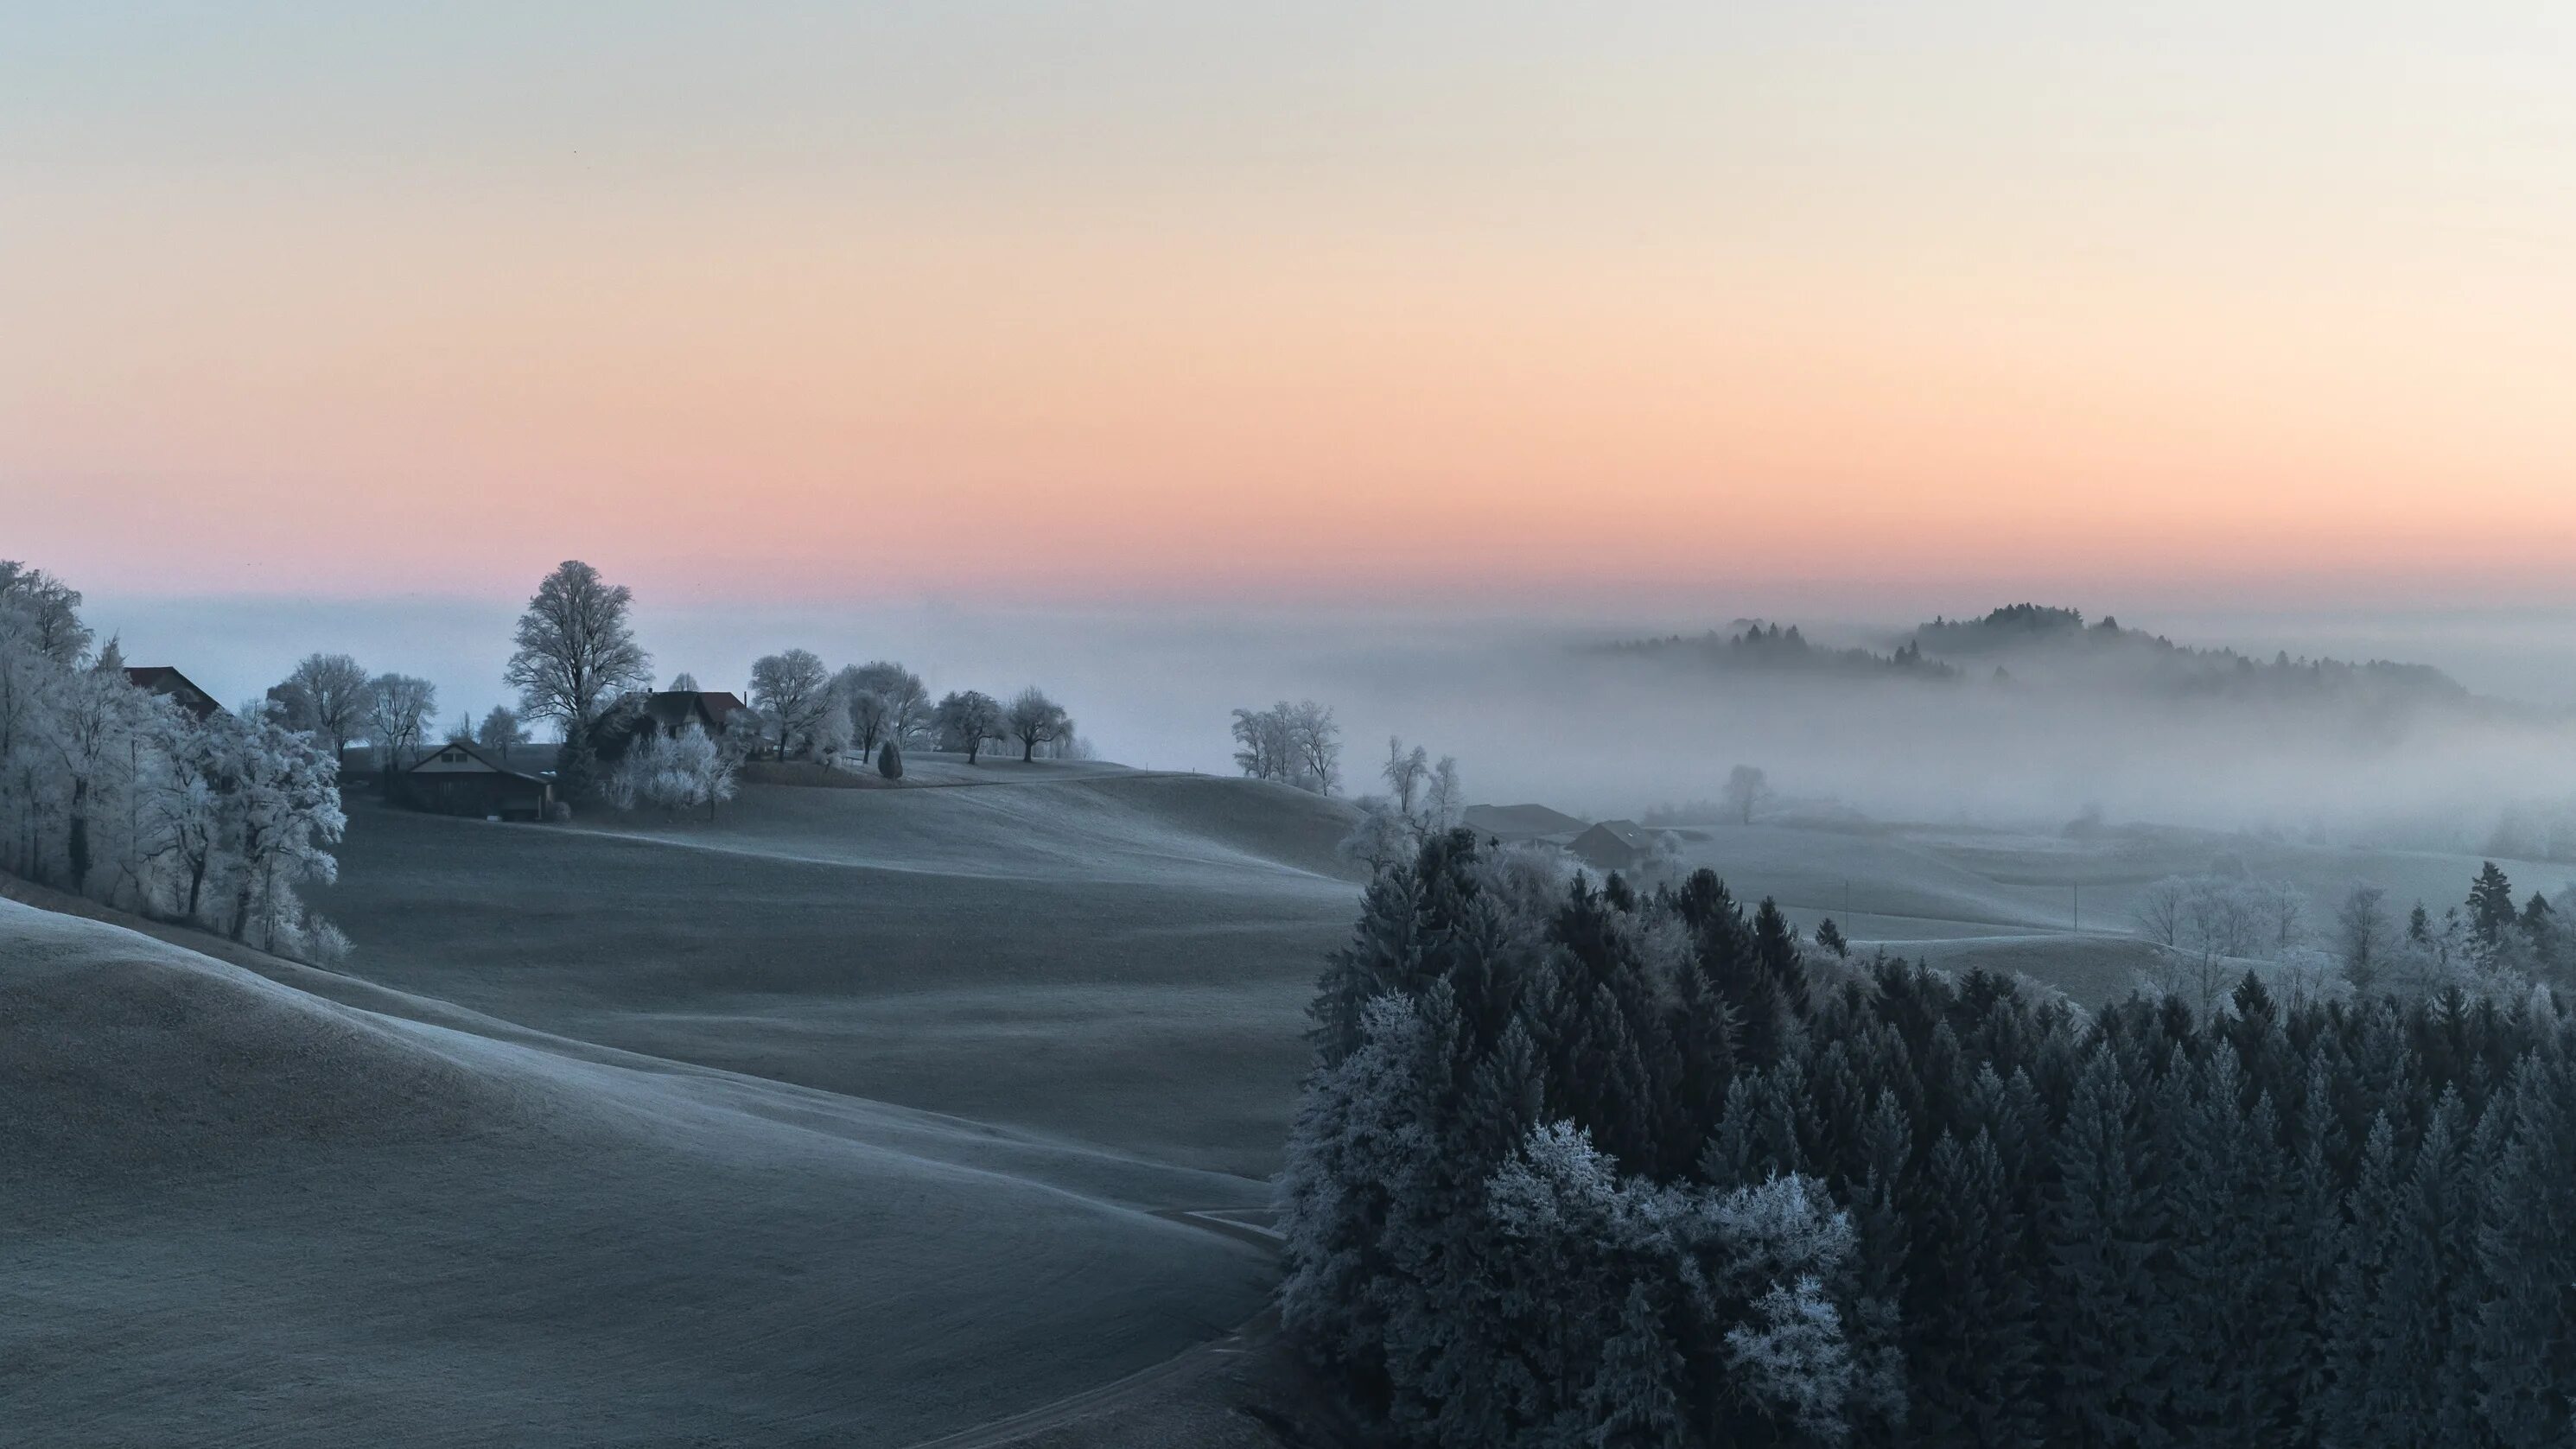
1662 310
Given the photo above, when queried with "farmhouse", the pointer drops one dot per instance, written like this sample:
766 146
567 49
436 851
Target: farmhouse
1614 844
669 711
169 683
459 778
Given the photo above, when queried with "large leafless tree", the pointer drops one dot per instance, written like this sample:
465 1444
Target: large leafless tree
1035 720
576 653
327 694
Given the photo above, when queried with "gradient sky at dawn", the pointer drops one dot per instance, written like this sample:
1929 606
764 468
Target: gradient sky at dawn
2266 302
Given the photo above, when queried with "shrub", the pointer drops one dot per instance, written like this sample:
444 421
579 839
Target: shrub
890 761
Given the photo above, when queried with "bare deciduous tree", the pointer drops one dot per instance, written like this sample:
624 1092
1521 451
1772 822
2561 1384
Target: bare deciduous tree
1315 744
967 720
886 702
399 710
1034 720
1406 773
1446 801
1747 787
1297 744
327 694
2364 937
793 693
501 731
575 651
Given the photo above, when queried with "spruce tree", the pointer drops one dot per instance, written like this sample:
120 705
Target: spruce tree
2101 1237
1634 1400
1970 1309
2524 1334
2491 908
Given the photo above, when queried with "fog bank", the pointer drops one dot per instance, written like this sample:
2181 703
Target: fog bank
1533 713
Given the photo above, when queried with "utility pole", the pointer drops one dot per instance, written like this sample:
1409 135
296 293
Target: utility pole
2079 907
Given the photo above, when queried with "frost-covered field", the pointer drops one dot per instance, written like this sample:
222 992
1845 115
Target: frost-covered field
850 1116
1121 960
241 1214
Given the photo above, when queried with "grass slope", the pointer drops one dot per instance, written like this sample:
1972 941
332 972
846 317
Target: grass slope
1122 960
239 1214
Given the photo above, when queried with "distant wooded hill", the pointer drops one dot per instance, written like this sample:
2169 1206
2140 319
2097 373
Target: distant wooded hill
2034 641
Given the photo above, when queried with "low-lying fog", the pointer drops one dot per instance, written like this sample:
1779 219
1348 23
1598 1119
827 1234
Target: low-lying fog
1534 711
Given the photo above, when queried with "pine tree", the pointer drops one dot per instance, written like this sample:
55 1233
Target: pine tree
1970 1309
1775 945
2525 1332
1634 1400
2491 908
1359 1132
2214 1272
2101 1232
2363 1404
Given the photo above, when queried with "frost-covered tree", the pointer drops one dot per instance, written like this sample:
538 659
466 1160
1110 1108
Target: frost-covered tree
1315 748
282 807
47 612
1407 774
1444 804
328 695
399 710
501 731
113 793
576 654
686 771
966 721
2364 939
871 717
94 712
1747 788
2046 1219
885 701
792 691
1380 837
1261 743
1296 744
1036 721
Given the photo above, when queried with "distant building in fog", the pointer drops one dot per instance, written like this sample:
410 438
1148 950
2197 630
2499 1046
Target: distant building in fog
1615 844
169 683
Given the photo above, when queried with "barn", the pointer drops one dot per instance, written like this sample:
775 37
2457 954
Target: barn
1615 844
161 679
459 778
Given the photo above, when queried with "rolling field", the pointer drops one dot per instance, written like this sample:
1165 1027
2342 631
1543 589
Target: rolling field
1960 898
1119 960
852 1116
239 1214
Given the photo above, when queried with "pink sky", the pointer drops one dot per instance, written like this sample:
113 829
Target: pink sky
1718 311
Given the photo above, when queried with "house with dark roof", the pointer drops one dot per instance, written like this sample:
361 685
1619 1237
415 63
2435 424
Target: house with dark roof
461 778
673 710
664 713
1615 844
165 682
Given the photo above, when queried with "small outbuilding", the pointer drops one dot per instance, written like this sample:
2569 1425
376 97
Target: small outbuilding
1615 844
459 778
169 683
